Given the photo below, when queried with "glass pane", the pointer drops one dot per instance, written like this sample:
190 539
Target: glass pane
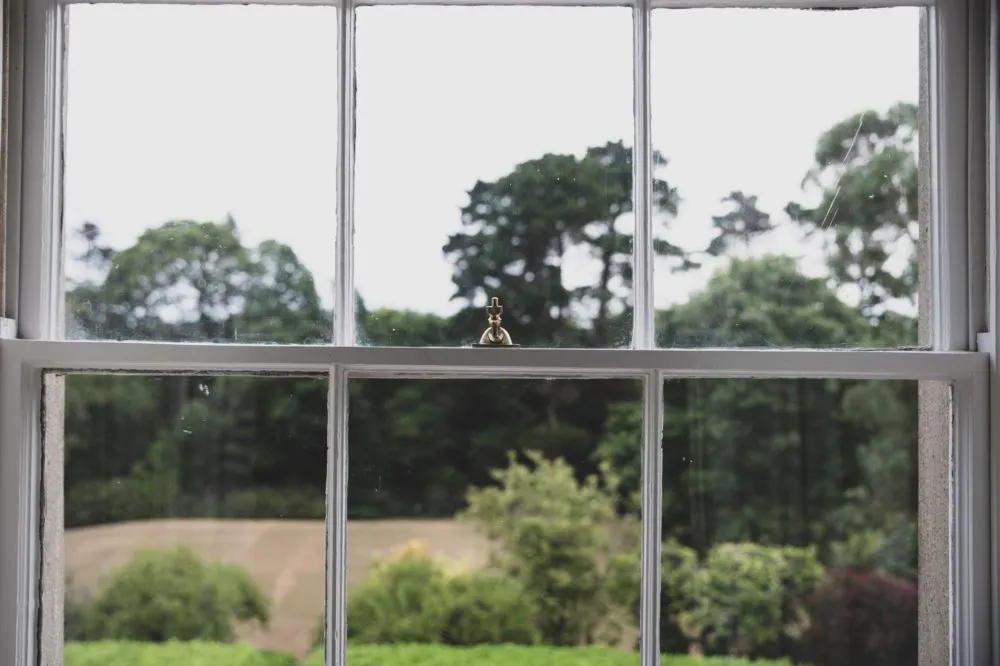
194 512
790 519
791 139
200 173
485 525
507 135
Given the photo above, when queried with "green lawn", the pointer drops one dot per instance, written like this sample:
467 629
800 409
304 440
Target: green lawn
120 653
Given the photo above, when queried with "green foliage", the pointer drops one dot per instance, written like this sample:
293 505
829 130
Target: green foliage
799 462
76 602
764 302
893 553
276 658
486 608
171 653
678 568
411 597
162 595
506 655
747 599
866 176
517 231
553 537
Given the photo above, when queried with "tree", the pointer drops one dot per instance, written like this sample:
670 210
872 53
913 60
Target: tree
740 225
866 178
517 233
187 280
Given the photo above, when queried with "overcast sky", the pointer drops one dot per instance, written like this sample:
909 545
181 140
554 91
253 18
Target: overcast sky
199 112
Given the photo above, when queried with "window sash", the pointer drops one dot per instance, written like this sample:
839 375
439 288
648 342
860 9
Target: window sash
34 246
967 492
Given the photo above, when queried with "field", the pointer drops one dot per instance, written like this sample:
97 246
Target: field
285 557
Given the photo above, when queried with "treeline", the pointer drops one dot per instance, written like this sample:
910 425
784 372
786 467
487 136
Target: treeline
829 463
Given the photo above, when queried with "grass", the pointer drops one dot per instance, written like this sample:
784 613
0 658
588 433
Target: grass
285 557
506 655
110 653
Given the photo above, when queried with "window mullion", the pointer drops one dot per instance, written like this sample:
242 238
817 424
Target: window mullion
643 332
343 303
652 510
949 108
335 642
39 259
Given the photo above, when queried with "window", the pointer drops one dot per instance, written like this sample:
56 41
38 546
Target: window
255 395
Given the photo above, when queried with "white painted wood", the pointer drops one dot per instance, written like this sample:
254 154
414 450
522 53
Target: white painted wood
153 357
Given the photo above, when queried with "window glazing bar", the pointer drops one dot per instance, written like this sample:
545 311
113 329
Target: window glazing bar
643 313
675 4
161 358
40 252
948 35
652 510
335 642
343 300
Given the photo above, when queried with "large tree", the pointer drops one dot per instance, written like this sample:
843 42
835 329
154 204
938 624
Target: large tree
865 177
518 232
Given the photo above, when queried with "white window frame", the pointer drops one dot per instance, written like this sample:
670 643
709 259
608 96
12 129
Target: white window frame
965 319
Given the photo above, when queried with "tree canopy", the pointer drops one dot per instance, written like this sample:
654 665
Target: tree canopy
783 462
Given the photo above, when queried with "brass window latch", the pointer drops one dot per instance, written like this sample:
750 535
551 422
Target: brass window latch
495 335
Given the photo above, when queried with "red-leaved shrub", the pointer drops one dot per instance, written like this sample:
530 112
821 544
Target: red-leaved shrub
861 618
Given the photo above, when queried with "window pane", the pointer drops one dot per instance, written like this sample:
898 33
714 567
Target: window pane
494 159
200 177
460 554
193 511
790 519
791 138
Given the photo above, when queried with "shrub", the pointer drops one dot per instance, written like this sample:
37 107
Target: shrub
678 565
76 604
892 552
507 655
747 599
410 597
484 608
172 653
171 594
861 618
401 601
553 538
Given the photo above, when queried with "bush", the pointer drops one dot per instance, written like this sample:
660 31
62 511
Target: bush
411 597
861 618
76 604
554 539
171 594
401 601
172 653
748 599
484 608
892 552
678 565
506 655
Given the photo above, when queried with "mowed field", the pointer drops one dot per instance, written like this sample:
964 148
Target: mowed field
285 557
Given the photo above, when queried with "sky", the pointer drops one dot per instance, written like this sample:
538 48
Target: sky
200 112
